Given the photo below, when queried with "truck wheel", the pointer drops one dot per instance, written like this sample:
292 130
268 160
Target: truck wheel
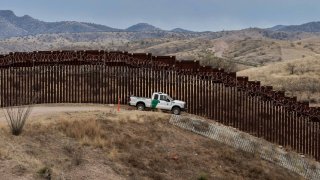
176 111
140 106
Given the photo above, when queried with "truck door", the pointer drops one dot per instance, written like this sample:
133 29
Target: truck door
154 101
164 104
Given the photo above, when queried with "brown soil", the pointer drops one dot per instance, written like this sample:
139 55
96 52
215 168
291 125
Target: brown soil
104 144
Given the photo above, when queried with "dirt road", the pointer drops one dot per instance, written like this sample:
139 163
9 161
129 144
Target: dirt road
48 109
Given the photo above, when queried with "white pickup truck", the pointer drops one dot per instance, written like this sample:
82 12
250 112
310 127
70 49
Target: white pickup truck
158 100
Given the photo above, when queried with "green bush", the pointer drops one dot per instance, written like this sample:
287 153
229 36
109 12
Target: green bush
45 172
203 176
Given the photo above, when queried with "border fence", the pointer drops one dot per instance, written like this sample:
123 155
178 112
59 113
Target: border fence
103 77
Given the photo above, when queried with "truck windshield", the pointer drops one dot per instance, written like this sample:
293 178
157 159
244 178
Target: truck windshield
169 98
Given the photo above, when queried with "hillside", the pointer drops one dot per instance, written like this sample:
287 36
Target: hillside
299 77
250 47
9 30
245 48
71 142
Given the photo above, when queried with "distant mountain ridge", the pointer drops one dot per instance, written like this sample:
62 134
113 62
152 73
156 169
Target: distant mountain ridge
311 27
12 25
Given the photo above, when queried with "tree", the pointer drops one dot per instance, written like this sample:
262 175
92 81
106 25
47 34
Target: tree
291 68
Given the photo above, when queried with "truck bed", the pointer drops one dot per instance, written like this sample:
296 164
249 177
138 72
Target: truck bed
134 100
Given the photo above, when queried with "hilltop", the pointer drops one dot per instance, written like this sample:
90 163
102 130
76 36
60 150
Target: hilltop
142 27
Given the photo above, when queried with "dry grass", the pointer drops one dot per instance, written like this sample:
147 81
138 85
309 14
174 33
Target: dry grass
304 82
257 51
88 132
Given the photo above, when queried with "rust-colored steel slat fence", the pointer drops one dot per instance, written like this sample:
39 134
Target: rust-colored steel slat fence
103 77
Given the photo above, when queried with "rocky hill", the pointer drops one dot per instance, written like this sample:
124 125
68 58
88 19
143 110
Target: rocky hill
142 27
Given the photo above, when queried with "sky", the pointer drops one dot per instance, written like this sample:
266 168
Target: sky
197 15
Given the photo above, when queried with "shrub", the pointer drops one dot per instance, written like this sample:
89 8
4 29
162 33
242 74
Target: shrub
45 172
75 153
203 176
291 68
17 116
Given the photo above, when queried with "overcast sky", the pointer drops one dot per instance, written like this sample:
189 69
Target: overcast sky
199 15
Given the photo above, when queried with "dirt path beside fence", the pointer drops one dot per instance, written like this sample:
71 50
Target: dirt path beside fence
48 109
